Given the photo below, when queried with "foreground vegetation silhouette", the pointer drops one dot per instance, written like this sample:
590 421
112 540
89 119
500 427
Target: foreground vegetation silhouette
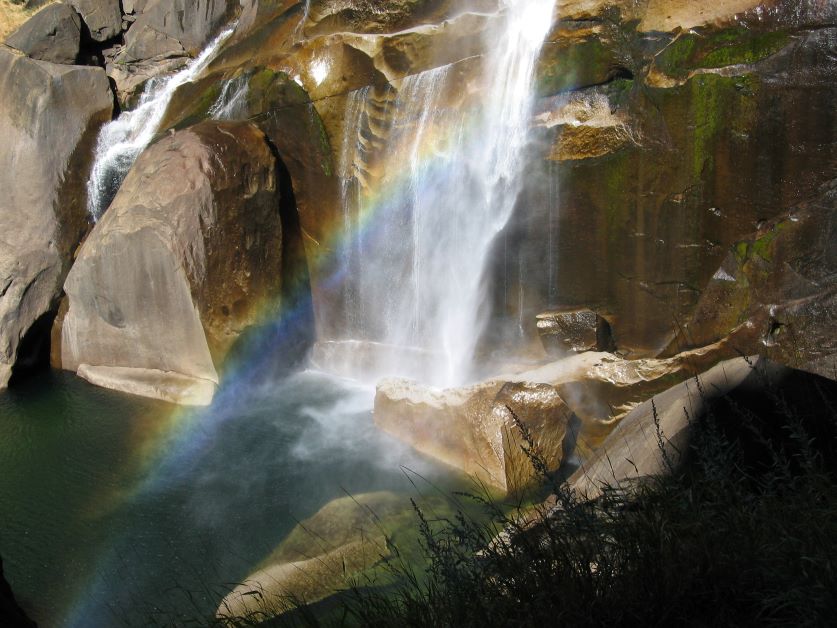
743 532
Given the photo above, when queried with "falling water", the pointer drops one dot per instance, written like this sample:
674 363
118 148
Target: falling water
452 177
232 101
123 139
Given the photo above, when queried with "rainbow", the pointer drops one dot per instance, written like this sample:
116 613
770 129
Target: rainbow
171 441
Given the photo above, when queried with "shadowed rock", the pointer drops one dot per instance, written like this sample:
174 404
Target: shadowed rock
782 283
320 556
653 438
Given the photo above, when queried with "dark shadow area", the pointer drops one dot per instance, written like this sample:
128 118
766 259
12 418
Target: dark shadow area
11 614
281 345
33 351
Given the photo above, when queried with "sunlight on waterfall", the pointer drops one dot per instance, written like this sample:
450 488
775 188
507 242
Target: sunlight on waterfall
121 141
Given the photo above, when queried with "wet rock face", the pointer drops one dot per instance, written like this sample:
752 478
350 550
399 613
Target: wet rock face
49 117
53 34
478 428
779 283
187 257
643 182
189 23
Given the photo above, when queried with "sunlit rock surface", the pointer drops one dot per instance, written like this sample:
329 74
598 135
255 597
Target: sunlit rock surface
187 257
161 37
102 17
321 555
474 428
49 117
574 330
53 34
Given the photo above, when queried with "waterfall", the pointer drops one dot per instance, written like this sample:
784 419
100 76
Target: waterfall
122 140
417 238
232 101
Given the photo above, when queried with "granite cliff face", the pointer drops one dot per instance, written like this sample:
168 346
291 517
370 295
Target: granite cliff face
676 206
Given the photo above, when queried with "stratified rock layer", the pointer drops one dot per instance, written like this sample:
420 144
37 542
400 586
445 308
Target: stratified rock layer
186 258
49 117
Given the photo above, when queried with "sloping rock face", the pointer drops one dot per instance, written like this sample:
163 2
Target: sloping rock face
748 401
53 34
653 438
659 149
10 611
160 36
49 117
187 257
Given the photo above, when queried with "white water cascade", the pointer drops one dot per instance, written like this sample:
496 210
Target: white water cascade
417 239
122 140
232 101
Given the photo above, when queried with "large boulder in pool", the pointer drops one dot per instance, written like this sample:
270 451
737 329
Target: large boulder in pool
479 429
187 257
49 118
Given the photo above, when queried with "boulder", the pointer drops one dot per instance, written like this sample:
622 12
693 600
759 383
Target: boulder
320 555
471 428
189 23
574 330
479 428
102 17
187 257
162 37
53 34
653 438
50 116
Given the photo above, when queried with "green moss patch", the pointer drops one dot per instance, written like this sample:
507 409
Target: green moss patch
701 50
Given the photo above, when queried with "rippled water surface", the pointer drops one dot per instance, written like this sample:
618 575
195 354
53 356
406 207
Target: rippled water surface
116 510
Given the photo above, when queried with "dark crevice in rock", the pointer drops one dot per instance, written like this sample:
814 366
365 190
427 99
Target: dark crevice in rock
34 349
291 334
